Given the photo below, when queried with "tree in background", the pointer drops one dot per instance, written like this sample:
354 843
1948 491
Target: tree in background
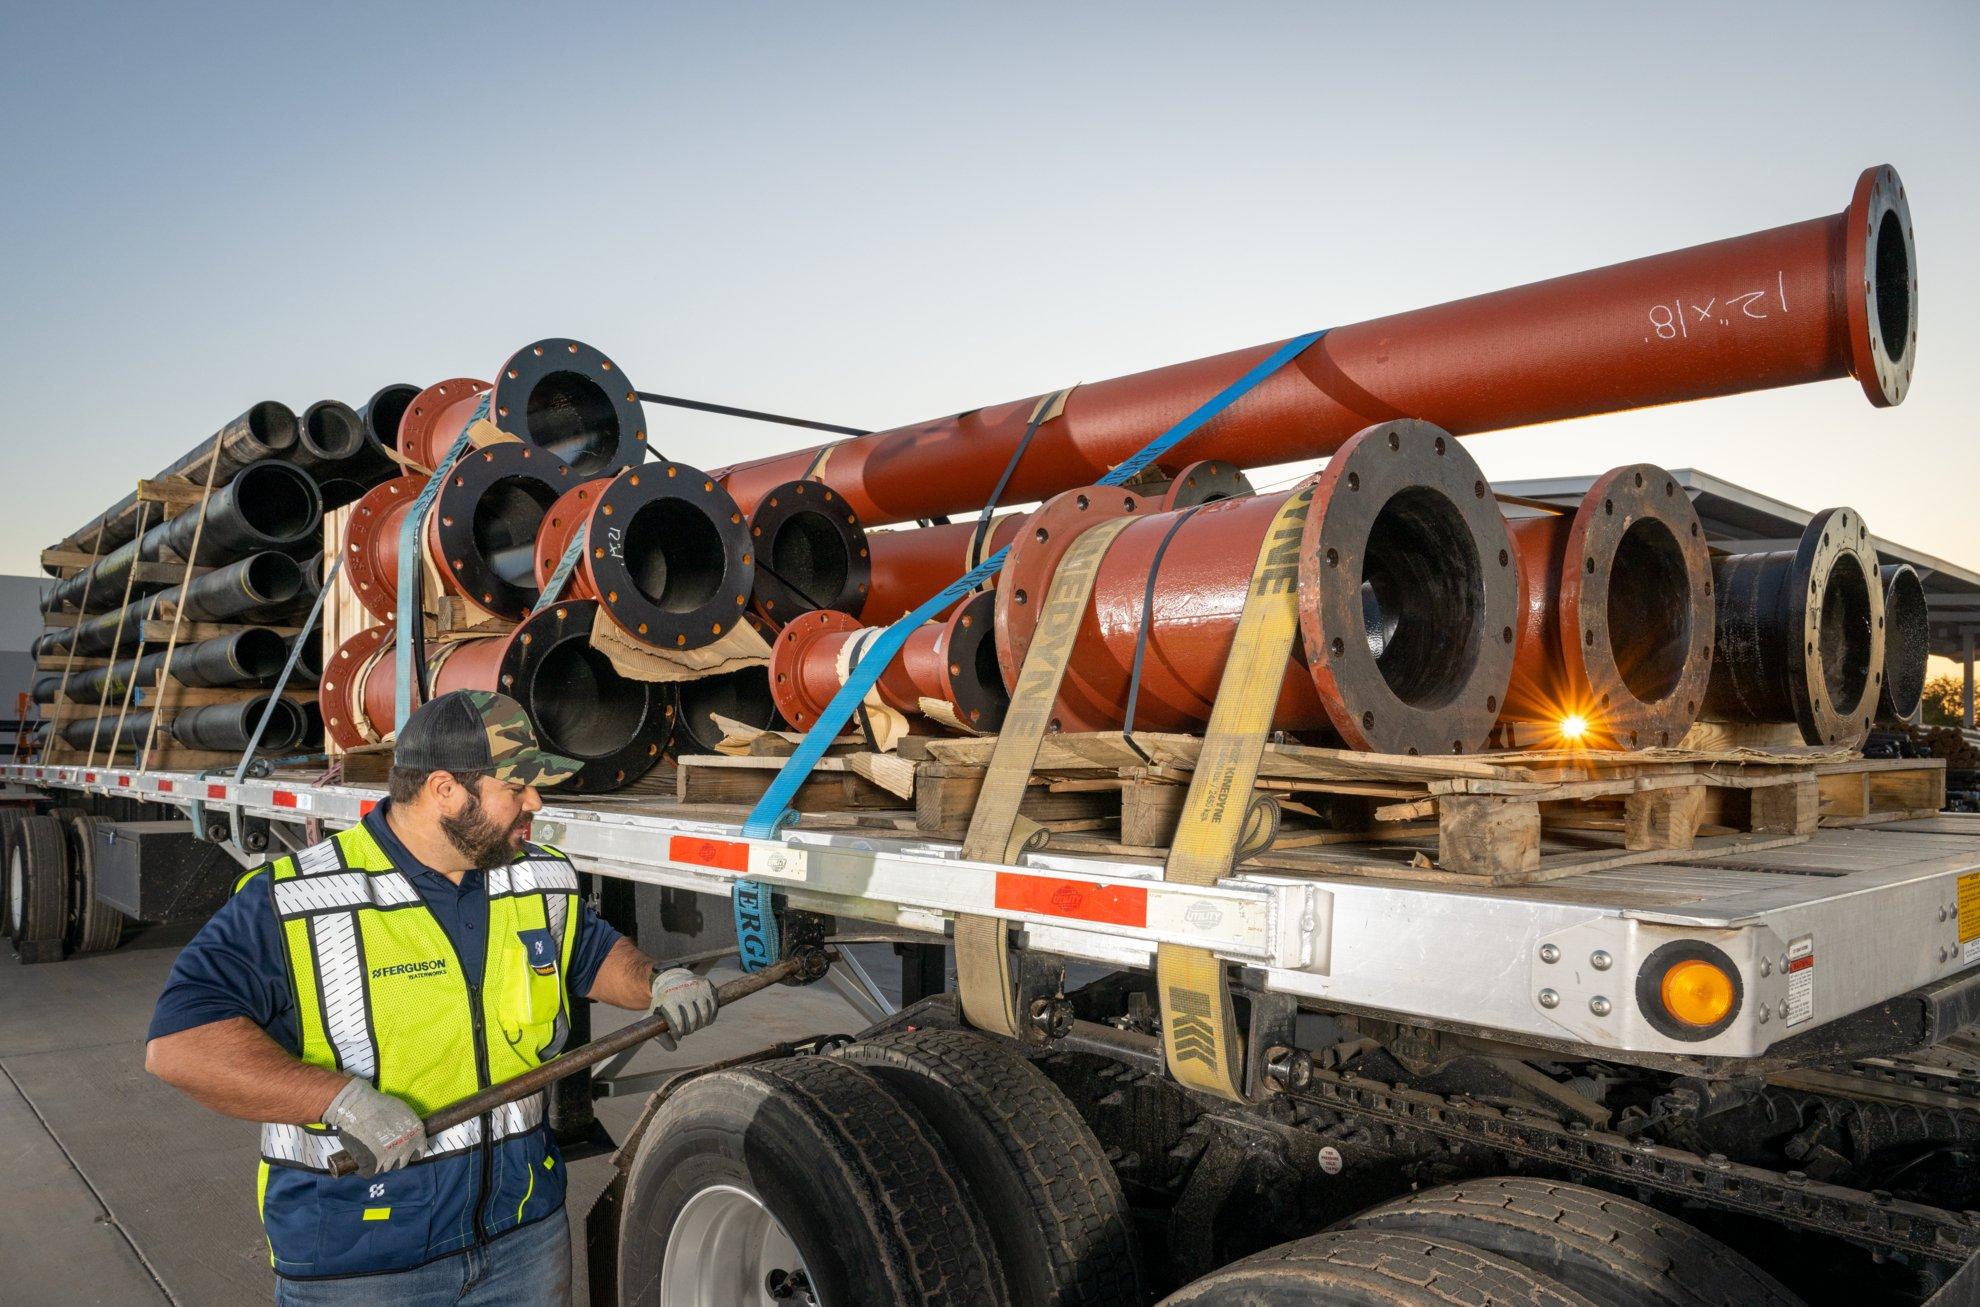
1942 701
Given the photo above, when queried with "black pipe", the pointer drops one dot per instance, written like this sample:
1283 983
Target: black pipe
82 732
45 687
1800 635
264 431
329 434
259 581
226 727
1907 642
268 505
248 657
381 416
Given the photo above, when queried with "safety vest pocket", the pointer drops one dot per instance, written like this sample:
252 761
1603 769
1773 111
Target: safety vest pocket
531 992
376 1221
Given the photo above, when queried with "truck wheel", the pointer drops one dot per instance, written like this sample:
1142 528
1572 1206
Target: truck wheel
37 887
1613 1249
1366 1268
92 927
803 1180
10 817
1054 1206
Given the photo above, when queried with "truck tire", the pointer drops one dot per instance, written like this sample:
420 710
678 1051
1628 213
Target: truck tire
37 888
802 1174
1053 1204
10 817
1367 1268
1613 1249
92 927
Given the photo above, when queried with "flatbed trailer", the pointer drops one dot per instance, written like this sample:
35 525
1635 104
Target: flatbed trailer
1405 1034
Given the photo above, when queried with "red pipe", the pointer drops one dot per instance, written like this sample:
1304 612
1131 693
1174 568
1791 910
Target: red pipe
479 533
910 565
1613 643
1406 600
666 552
1826 298
951 662
560 395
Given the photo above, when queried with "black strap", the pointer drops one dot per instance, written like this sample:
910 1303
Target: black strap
753 414
865 722
1141 635
1038 413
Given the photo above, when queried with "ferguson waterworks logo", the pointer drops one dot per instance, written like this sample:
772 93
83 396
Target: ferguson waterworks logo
416 970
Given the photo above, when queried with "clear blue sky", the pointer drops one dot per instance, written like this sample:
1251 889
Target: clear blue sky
877 213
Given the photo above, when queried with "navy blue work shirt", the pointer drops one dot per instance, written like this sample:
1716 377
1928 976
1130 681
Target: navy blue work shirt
238 966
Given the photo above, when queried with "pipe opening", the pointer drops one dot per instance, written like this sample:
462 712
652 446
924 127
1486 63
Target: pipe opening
273 424
1891 287
1649 616
270 578
1843 637
582 706
674 555
1423 595
808 552
570 415
1906 642
258 653
332 432
506 518
274 499
742 695
387 408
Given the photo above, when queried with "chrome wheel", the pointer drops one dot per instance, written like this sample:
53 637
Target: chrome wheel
727 1250
16 893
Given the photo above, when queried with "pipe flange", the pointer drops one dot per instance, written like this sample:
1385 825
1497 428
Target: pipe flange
483 525
566 397
1408 593
1204 482
341 691
1836 602
811 551
580 705
793 645
1880 259
571 511
668 554
1640 681
1907 643
418 441
1025 580
369 516
972 680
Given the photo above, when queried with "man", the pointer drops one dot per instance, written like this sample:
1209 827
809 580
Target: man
347 991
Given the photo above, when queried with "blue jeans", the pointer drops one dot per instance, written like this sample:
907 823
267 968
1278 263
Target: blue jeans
527 1267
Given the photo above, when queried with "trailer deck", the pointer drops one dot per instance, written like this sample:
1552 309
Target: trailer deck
1818 930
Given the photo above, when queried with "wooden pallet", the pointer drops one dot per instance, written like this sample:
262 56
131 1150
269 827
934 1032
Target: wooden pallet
1486 819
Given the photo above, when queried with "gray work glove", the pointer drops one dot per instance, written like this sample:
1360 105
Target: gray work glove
685 999
380 1132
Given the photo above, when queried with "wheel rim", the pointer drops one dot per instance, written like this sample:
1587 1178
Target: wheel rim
727 1250
15 892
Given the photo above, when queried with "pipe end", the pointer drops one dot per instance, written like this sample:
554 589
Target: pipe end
1881 268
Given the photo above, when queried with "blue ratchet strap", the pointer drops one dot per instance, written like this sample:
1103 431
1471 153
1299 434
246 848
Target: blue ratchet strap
773 811
555 586
409 578
757 942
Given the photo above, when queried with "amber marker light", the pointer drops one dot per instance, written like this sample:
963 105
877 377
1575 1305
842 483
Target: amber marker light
1697 993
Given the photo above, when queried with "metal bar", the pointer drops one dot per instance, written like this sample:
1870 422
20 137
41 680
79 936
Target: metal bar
804 965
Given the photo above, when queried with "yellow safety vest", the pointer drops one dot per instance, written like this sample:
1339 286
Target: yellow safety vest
380 994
